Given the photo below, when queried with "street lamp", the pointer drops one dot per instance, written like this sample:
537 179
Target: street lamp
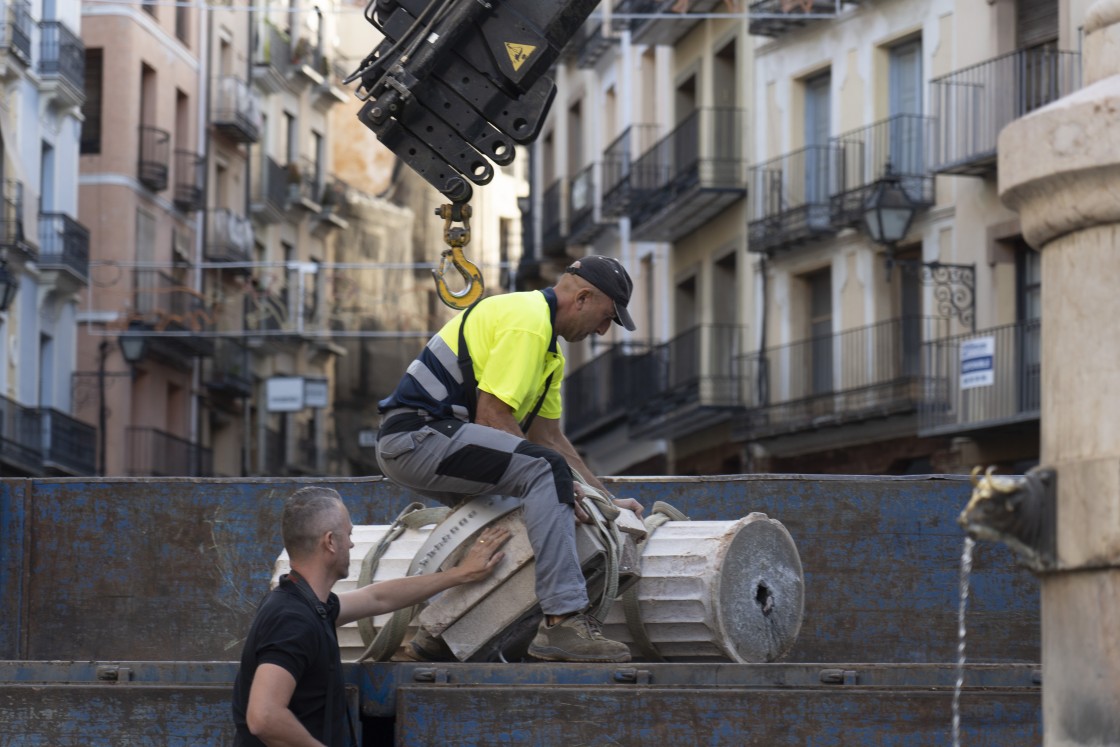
888 212
133 347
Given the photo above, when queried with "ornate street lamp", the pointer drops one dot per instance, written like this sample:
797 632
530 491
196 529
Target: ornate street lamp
888 212
133 347
887 215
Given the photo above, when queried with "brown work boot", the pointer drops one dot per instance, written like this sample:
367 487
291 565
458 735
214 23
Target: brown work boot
578 637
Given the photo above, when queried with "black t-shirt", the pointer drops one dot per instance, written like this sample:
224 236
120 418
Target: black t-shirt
289 633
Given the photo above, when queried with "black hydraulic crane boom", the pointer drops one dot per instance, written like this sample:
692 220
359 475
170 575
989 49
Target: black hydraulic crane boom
456 83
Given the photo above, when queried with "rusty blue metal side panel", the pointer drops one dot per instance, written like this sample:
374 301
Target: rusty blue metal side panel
13 517
881 557
720 717
159 569
172 569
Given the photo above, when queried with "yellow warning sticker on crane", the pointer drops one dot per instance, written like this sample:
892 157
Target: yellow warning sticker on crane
518 53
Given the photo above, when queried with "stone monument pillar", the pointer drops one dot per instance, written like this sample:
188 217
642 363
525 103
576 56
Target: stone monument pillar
1059 167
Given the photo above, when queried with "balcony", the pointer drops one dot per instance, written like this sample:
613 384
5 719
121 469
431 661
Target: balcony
599 394
273 61
594 44
905 141
174 314
331 91
69 445
692 382
21 438
155 158
689 176
64 247
305 185
62 63
791 198
13 236
228 373
236 110
666 31
774 18
583 227
553 235
1009 396
972 105
617 160
190 181
854 376
154 453
15 32
229 237
269 201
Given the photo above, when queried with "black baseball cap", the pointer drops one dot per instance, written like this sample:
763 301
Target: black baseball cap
608 275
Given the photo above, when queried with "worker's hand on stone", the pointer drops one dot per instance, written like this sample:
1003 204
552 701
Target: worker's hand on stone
631 504
484 555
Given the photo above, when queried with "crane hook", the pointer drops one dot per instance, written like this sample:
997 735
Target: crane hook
456 238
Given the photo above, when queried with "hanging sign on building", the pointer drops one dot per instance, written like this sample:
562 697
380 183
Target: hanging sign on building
284 394
978 362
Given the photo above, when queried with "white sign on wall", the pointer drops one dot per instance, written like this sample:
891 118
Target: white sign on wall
284 394
315 393
978 362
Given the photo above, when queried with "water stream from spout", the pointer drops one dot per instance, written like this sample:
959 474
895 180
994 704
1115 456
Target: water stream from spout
966 572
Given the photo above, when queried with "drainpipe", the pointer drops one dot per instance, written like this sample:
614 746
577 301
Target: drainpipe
201 221
1059 167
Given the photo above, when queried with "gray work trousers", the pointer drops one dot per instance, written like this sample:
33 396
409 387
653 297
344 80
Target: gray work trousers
447 460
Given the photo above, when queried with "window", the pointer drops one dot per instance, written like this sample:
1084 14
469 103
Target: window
182 21
91 109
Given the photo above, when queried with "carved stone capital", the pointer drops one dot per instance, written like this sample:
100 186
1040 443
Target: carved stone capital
1059 167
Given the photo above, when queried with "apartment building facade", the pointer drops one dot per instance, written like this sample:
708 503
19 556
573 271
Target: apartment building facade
206 185
787 338
44 248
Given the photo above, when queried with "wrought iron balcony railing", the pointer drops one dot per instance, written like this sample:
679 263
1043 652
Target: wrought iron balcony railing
190 180
553 234
845 377
15 30
229 237
905 142
236 110
13 233
972 105
155 157
63 56
688 176
694 382
270 190
173 311
601 392
273 60
791 197
774 18
228 372
21 436
581 206
156 453
1005 389
64 245
69 445
305 184
617 160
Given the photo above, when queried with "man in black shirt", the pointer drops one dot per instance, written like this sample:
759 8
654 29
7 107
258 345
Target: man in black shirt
289 689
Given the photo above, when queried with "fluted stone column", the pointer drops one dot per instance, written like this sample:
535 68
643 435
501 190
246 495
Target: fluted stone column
1059 168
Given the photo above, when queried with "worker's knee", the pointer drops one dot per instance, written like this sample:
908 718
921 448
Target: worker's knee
561 473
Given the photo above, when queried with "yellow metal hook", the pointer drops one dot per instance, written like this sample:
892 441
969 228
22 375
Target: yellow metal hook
456 238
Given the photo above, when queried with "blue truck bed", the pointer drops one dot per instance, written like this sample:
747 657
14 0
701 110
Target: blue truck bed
127 600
